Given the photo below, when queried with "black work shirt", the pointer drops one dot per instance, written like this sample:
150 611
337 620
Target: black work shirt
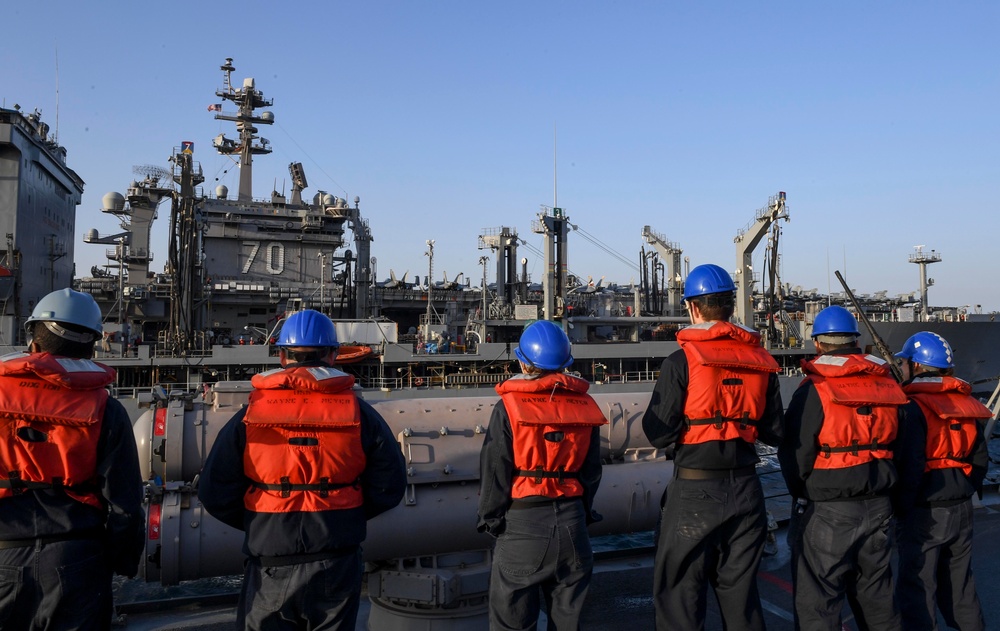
496 472
918 487
797 454
223 485
50 512
664 422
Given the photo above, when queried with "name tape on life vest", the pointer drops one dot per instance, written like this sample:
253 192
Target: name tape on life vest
78 365
321 373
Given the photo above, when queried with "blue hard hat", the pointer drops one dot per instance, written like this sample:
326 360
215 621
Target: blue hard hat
66 306
929 349
707 279
308 328
835 320
544 345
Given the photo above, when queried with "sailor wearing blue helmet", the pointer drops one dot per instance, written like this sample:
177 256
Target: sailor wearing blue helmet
713 400
540 468
301 470
836 459
941 457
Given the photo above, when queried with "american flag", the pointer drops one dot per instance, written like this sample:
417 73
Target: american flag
215 107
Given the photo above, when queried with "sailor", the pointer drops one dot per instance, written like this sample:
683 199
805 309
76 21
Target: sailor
540 467
836 459
942 459
301 469
70 487
713 400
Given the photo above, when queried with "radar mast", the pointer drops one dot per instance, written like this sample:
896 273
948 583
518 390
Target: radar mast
248 99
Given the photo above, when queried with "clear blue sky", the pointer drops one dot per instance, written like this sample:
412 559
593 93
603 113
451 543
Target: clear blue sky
879 120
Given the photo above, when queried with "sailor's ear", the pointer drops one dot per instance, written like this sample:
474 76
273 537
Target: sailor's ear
694 310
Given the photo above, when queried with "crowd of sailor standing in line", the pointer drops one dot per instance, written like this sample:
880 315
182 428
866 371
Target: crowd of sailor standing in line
303 467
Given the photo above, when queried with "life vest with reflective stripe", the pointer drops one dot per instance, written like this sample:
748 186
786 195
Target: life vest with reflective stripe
728 372
952 416
860 399
51 411
303 450
551 420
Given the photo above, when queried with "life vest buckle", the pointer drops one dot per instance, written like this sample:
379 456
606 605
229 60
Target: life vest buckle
324 487
719 420
17 485
286 486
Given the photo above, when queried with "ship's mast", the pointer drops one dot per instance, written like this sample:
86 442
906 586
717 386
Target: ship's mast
555 226
363 274
671 253
185 255
923 259
746 241
247 99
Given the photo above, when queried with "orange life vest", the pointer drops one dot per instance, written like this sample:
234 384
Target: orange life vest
728 373
951 415
303 451
551 419
860 399
51 410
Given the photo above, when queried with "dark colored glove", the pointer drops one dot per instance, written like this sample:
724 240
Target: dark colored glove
123 559
594 517
494 528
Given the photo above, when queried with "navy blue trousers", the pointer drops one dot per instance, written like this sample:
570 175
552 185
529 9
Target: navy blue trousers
841 552
711 534
318 595
59 586
935 569
544 552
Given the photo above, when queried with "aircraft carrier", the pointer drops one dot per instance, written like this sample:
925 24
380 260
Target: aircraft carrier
186 339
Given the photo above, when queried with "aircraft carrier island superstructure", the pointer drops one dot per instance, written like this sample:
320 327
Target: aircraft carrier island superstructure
234 264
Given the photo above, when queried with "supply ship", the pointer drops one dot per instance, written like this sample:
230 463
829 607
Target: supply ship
186 340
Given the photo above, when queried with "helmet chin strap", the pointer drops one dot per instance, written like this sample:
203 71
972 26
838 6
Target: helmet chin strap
66 334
